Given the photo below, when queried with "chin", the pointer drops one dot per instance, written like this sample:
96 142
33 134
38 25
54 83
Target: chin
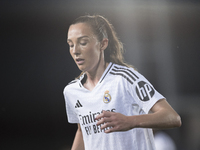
84 68
81 68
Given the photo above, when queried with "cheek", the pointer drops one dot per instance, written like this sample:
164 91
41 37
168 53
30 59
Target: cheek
93 55
93 51
70 51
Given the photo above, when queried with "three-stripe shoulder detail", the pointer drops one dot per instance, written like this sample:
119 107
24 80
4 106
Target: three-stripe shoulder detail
106 73
74 81
126 73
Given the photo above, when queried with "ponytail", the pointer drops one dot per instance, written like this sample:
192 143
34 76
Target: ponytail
102 28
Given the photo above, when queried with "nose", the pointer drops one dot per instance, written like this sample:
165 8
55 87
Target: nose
76 50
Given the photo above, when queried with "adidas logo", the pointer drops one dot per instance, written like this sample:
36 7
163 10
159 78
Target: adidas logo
78 104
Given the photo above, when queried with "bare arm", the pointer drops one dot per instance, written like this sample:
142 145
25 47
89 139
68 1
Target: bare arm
162 116
78 143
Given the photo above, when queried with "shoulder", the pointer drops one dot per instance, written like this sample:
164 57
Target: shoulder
71 85
125 73
74 84
120 67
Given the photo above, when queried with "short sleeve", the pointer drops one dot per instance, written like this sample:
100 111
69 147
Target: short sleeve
143 92
71 114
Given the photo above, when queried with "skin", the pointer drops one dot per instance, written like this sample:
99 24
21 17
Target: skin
162 116
88 53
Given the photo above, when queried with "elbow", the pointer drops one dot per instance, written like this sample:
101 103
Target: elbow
177 121
174 121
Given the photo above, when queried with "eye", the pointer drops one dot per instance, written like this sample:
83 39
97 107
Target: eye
71 45
83 43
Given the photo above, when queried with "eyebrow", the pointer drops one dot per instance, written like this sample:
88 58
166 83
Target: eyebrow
69 40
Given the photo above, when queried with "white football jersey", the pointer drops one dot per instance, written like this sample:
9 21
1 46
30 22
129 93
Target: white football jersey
120 89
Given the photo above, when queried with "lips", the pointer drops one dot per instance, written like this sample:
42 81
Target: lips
79 61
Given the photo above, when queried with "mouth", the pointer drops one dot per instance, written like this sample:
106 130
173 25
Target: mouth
79 61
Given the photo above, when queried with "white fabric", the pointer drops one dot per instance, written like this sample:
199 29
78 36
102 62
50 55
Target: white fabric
164 142
131 94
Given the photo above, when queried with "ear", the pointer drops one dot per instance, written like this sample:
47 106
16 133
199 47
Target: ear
104 44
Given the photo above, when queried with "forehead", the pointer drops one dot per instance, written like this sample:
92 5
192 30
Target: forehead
80 29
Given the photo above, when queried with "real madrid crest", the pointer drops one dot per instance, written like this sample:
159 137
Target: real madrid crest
106 97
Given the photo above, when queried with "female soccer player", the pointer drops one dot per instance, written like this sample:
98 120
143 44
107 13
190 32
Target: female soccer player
114 106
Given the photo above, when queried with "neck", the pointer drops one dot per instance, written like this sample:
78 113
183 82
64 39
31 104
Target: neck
94 76
97 72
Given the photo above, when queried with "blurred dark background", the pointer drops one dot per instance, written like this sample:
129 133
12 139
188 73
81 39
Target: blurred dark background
161 38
